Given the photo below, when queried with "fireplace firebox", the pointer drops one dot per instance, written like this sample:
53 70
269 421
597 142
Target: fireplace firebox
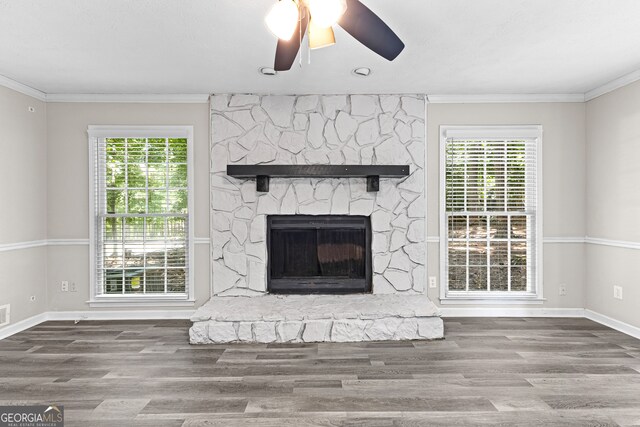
324 254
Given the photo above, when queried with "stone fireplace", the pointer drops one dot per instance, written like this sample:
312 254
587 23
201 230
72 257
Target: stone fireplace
382 257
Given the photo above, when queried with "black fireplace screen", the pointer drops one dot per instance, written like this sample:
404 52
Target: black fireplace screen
319 254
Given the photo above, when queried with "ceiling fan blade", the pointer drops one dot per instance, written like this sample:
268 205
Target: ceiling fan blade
366 27
287 50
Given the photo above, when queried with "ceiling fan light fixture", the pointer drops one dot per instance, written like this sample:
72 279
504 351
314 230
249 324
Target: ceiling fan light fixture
320 37
282 19
326 13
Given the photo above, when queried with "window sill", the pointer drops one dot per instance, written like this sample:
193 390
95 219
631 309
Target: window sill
492 300
130 301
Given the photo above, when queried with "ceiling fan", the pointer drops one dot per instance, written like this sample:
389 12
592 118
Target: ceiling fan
291 20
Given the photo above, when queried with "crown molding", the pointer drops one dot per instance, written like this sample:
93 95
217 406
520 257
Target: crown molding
22 88
504 98
432 99
625 80
130 98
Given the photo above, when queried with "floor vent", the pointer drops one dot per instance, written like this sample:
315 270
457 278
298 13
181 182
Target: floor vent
4 315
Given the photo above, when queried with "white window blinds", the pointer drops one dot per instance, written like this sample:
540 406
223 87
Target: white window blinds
490 212
142 238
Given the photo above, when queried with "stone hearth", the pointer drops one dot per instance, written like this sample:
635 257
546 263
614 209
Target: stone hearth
316 318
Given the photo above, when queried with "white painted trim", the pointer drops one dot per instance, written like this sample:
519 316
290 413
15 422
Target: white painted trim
425 187
140 301
492 300
6 247
22 88
68 242
499 131
505 98
95 132
30 322
120 315
623 327
493 131
510 312
613 243
196 98
545 240
625 80
576 239
127 131
205 241
444 311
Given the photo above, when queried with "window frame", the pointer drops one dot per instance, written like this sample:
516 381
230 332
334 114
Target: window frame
95 133
535 295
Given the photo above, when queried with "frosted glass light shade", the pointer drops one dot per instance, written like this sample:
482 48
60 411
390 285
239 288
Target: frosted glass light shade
325 13
282 19
320 37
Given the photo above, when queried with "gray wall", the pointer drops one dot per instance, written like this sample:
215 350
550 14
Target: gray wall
564 178
68 192
590 178
23 203
613 203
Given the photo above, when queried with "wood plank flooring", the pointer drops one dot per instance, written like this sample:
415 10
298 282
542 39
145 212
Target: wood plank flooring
507 372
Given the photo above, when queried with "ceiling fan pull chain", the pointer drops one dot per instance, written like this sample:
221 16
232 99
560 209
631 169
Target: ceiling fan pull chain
308 15
300 18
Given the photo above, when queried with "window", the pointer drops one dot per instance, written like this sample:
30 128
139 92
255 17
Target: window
490 212
142 233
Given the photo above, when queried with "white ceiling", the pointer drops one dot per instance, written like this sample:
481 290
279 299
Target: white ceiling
209 46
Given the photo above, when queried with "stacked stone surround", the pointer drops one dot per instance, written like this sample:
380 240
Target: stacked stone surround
314 129
308 130
316 318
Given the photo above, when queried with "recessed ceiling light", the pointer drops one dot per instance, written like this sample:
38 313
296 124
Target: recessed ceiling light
362 71
267 71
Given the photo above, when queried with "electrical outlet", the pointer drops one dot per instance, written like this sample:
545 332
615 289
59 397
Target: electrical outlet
563 289
73 287
432 282
617 292
64 286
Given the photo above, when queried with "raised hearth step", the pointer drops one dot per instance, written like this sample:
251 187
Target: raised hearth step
316 318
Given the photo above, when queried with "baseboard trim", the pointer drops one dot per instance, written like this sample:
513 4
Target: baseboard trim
446 312
623 327
78 316
120 315
510 312
22 325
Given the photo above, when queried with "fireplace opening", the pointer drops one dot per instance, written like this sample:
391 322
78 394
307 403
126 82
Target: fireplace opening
328 254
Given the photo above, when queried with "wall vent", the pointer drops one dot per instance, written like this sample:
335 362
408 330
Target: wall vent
5 315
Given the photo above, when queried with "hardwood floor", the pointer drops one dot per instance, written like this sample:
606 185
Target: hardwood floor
508 372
